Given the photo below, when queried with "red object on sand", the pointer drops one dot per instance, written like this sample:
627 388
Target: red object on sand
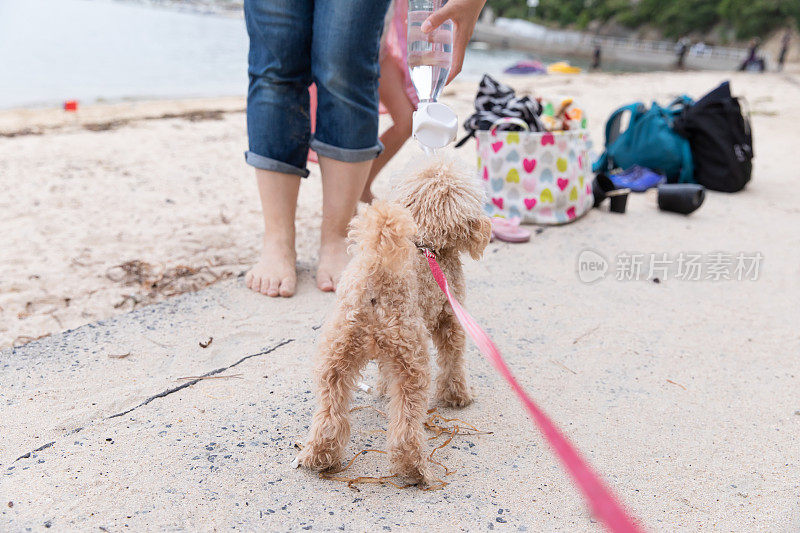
71 105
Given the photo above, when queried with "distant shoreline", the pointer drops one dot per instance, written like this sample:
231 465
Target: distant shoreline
233 8
520 35
23 121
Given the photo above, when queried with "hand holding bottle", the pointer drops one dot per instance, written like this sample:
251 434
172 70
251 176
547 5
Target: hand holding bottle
464 14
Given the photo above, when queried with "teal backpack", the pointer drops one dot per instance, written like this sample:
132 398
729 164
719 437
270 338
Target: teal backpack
648 141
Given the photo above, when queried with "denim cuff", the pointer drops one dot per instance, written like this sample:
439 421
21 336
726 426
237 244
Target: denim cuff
265 163
347 155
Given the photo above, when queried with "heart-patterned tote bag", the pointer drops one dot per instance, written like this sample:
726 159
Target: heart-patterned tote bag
539 177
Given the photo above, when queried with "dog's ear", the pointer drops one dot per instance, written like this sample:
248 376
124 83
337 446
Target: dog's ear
383 233
479 234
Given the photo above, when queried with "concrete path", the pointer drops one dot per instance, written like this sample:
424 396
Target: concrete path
683 394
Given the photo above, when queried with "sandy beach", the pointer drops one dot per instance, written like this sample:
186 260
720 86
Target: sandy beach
124 183
683 394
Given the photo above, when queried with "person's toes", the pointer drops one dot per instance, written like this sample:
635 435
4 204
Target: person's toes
333 260
263 285
325 282
288 286
276 263
273 287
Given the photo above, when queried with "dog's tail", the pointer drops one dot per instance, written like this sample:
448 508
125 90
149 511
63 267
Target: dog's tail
383 234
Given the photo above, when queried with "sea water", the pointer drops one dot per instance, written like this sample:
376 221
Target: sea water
56 50
429 55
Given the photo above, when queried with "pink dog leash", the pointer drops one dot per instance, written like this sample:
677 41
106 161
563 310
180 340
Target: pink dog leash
601 501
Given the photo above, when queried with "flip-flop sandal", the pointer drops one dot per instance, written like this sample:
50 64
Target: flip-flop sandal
508 230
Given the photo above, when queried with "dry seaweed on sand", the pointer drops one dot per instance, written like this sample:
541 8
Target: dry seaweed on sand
562 365
380 480
436 423
156 282
678 384
447 471
585 334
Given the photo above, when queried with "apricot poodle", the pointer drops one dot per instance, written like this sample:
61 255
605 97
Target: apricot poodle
388 308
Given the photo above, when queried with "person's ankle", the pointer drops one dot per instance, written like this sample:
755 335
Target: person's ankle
332 242
278 240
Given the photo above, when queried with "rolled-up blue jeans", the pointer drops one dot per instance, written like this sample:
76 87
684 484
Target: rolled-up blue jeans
335 44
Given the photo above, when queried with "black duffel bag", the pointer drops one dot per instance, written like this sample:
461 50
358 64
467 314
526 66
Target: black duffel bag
721 140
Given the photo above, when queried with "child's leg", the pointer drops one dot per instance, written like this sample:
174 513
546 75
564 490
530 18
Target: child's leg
342 184
274 273
344 63
394 98
279 65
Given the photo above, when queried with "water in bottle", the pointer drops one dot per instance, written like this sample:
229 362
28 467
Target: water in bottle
429 55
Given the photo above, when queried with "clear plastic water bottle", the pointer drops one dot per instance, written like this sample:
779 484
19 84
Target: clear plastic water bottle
429 55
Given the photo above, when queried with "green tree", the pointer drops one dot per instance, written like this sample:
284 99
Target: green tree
759 17
674 18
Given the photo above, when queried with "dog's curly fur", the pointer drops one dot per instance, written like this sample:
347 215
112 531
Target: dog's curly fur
389 306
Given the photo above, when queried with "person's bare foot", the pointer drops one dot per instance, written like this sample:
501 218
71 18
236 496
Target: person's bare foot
275 272
333 259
